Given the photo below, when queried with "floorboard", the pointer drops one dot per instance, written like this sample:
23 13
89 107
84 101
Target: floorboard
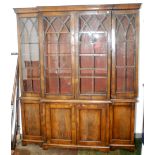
36 150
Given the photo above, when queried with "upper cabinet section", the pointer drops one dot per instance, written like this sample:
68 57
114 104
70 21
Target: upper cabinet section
124 53
79 52
30 57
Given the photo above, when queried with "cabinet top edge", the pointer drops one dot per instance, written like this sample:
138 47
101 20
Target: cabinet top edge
129 6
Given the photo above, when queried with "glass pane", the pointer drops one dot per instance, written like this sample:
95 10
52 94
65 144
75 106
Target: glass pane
52 73
87 72
86 85
52 61
36 85
52 48
100 72
85 44
87 62
100 46
65 61
27 85
100 85
65 73
130 53
120 82
58 55
101 62
120 54
52 86
130 79
86 48
65 85
30 54
65 48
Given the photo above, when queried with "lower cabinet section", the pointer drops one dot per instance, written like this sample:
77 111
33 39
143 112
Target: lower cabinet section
79 125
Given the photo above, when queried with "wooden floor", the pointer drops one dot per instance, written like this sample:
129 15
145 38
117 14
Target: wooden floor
36 150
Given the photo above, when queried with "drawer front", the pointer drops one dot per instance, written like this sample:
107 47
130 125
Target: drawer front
92 124
122 123
60 123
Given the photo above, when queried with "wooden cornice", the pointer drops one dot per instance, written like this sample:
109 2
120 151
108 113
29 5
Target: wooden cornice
130 6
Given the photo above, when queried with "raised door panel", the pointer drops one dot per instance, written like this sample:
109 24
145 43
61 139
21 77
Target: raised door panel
31 121
92 124
93 50
122 123
60 123
124 54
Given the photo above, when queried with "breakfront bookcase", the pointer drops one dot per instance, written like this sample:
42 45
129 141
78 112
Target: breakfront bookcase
79 75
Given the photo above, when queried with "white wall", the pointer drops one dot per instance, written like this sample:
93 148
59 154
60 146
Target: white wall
8 44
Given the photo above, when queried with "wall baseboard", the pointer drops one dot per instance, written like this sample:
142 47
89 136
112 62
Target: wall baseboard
138 135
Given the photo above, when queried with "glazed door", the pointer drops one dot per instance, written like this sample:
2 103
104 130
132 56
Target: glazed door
29 54
92 124
93 54
124 54
58 55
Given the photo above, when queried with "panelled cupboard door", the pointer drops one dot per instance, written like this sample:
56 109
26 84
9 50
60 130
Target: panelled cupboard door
58 55
125 26
93 40
122 123
31 121
92 124
29 54
60 127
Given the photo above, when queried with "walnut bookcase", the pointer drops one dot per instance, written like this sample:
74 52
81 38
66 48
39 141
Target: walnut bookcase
79 75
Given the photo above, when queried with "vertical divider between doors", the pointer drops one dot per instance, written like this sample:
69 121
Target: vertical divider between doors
109 57
41 40
76 57
72 29
74 88
113 43
41 43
